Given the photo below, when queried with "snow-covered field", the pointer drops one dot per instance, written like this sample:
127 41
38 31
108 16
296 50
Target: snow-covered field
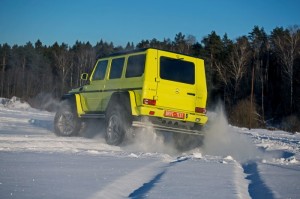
232 163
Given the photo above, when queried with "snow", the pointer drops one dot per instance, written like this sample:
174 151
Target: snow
15 103
233 162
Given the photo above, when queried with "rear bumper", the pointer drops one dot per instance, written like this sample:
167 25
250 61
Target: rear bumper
167 124
190 117
158 127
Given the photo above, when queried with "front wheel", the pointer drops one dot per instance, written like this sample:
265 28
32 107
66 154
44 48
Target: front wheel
66 122
117 124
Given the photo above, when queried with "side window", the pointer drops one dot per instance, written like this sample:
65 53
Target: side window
135 66
116 68
99 73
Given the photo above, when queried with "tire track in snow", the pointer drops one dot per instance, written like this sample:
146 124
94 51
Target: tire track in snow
241 183
140 182
146 187
51 143
137 183
124 186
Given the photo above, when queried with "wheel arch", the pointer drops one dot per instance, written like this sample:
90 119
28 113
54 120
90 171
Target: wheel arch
70 97
74 100
120 98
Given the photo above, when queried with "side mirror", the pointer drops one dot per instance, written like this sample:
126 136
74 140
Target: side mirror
84 76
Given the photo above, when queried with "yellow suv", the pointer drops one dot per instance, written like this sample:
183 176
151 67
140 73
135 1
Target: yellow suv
141 88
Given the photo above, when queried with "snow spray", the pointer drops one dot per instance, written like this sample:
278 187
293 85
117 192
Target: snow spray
45 101
221 139
148 140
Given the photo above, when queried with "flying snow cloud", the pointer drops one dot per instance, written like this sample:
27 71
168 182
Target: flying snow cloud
221 139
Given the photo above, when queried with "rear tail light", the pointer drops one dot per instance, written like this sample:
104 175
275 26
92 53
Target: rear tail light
149 102
200 110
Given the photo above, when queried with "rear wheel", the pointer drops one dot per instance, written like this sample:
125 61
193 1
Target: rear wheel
117 124
66 121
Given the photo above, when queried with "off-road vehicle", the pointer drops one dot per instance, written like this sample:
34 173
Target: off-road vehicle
141 88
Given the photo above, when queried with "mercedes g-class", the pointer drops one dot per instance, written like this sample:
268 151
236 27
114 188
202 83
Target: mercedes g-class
141 88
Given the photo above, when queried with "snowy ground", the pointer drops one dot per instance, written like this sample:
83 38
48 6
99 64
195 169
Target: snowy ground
232 163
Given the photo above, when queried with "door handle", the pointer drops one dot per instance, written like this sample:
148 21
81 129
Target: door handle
192 94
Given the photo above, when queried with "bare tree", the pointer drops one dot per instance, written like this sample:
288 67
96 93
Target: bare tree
190 40
287 45
63 61
84 57
222 72
239 60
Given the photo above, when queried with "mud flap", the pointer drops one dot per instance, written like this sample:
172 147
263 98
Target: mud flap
133 103
79 105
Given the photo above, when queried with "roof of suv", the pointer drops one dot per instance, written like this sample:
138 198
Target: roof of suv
139 50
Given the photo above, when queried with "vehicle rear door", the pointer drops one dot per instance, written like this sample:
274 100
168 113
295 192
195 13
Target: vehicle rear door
176 83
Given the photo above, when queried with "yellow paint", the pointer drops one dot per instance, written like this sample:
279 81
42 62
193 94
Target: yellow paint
169 95
79 105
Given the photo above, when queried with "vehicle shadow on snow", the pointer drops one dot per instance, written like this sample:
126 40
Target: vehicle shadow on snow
45 124
92 128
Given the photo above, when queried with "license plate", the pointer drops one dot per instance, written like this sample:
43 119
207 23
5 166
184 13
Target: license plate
174 114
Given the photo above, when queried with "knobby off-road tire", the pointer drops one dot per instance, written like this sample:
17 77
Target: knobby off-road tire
117 121
66 121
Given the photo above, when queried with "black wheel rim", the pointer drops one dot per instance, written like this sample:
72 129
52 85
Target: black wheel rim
114 130
66 123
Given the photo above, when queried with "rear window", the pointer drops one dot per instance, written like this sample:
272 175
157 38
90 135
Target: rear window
177 70
135 66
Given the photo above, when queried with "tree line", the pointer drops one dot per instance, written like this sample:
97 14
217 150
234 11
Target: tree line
259 70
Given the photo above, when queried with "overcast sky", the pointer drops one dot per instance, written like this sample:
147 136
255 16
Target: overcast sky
122 21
